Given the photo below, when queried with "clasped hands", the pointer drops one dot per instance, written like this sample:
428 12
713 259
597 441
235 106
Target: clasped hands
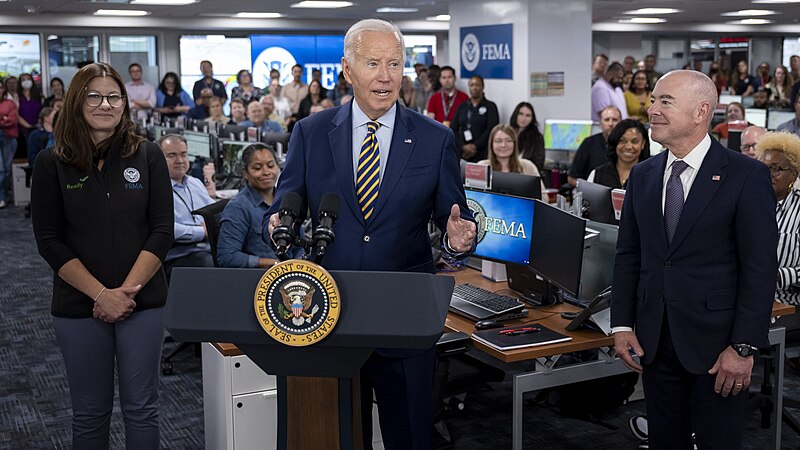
114 305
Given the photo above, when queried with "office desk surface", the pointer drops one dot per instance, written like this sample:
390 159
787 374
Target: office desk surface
549 316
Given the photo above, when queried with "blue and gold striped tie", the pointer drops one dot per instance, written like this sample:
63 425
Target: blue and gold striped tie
368 175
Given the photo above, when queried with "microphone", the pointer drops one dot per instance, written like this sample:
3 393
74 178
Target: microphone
323 235
283 235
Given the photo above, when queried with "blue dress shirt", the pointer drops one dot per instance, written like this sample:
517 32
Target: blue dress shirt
269 126
188 196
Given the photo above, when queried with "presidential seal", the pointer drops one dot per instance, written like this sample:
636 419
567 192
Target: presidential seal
297 303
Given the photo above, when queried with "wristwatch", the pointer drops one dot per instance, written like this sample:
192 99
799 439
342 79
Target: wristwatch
744 350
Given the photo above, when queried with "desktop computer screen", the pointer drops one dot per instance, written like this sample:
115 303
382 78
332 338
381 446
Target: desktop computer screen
565 134
597 204
756 116
505 226
516 184
557 246
775 118
725 100
231 156
199 144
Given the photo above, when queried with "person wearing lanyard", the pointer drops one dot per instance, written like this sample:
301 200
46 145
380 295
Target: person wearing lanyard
191 248
473 121
443 104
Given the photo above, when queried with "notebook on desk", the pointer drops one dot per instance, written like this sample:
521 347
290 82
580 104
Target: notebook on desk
519 336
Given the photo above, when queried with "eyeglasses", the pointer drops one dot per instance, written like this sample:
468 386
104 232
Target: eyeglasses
96 99
776 169
746 147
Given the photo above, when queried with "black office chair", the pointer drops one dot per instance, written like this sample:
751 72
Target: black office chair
211 214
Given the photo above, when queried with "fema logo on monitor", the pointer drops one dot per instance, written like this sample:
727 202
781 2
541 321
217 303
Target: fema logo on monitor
480 217
470 52
273 58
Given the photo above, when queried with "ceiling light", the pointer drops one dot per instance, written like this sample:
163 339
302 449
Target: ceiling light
163 2
258 15
396 10
645 11
750 22
749 12
321 4
440 17
643 20
121 12
775 2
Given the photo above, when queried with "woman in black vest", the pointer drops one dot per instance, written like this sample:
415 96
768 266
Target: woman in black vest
627 145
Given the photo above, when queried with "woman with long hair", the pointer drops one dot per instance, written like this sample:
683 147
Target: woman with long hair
102 216
781 87
504 154
171 100
56 91
637 97
529 138
313 98
30 105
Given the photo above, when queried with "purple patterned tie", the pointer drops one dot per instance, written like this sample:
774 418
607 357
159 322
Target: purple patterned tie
673 201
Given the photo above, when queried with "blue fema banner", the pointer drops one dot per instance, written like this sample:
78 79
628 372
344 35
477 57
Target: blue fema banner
282 52
486 51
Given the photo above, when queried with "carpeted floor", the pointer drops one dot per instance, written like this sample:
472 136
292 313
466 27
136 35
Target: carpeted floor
35 405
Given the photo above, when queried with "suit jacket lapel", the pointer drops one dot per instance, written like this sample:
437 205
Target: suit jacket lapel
703 189
399 154
341 145
654 214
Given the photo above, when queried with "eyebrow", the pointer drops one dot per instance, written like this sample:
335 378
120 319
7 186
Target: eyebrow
664 96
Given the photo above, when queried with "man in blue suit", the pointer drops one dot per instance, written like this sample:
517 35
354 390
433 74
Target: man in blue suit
694 275
394 169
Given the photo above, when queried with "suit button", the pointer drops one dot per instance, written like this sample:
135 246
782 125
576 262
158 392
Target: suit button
366 238
667 265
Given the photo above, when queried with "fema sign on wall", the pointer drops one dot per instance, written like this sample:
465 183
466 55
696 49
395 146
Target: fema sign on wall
282 52
486 51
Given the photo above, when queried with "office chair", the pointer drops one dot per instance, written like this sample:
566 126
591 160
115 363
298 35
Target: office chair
211 214
762 400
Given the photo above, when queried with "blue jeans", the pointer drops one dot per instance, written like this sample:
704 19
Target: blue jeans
90 347
8 146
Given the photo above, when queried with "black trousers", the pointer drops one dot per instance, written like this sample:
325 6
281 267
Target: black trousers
679 403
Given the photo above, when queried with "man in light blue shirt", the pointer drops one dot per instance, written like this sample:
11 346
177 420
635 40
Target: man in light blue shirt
792 126
258 119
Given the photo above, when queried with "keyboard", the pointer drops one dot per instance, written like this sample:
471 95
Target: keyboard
479 304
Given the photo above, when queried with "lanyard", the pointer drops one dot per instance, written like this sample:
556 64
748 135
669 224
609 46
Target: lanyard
191 209
449 106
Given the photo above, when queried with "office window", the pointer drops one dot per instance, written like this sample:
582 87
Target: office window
791 46
227 55
126 50
67 54
19 53
419 49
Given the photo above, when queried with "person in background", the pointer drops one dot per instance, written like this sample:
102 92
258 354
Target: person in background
56 91
30 105
627 64
599 66
316 74
141 94
434 71
719 77
240 243
12 89
593 151
653 75
201 111
268 102
258 118
274 74
750 137
473 121
245 90
314 97
734 111
742 83
761 98
42 135
530 140
423 89
191 247
443 104
628 145
504 155
792 126
637 97
282 106
626 82
208 86
58 104
9 130
781 87
762 74
607 91
215 114
238 112
101 209
341 89
408 96
171 100
295 91
794 66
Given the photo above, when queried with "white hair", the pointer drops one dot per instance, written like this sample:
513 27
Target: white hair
376 25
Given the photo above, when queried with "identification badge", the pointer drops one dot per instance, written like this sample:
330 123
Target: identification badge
467 135
482 110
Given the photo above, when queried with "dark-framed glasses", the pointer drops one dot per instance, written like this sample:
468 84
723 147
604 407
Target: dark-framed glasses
96 99
777 169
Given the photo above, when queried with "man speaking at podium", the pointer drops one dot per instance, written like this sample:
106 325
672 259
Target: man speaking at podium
392 169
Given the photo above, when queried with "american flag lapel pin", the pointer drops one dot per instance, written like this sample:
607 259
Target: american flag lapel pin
407 141
715 178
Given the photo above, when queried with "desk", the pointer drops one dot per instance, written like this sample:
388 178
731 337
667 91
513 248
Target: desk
546 375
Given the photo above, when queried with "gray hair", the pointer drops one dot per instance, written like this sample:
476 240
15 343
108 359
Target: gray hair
376 25
171 136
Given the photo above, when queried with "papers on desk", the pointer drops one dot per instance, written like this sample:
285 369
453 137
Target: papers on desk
519 336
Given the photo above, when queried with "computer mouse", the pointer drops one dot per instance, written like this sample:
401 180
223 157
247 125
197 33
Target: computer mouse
487 324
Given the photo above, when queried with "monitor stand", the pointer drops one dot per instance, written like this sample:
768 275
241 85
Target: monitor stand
533 289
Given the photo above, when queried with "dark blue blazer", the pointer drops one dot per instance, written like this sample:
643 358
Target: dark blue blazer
422 179
716 280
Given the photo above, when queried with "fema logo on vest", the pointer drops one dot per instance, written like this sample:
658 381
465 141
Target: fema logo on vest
131 176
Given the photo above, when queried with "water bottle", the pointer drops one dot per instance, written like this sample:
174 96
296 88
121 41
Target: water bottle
555 176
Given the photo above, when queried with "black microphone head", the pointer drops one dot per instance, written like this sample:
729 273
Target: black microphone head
292 202
329 204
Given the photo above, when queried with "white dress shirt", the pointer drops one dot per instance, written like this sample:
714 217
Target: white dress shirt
384 135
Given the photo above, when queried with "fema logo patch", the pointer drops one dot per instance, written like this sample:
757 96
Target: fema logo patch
480 217
470 52
131 175
297 303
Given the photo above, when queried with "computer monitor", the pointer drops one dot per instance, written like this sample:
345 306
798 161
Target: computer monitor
516 184
565 134
231 157
725 100
159 131
234 132
278 141
597 204
748 101
756 116
199 144
776 118
505 225
557 246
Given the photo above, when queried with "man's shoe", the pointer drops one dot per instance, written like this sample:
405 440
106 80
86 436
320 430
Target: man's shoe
638 426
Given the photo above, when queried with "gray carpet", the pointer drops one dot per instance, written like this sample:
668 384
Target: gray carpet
35 406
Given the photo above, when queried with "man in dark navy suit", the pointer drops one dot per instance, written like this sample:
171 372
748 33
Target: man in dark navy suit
694 275
393 169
